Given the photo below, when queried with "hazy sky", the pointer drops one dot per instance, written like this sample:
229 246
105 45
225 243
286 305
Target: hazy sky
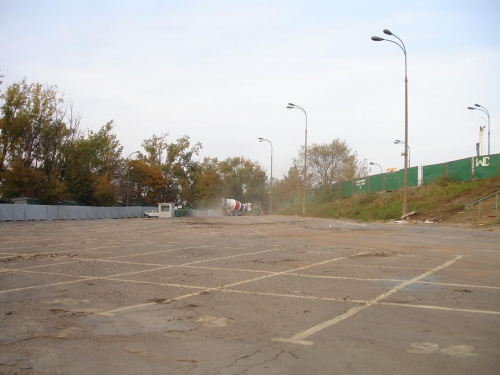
222 72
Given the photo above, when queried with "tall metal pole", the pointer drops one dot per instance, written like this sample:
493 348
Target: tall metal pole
271 185
481 108
291 106
398 142
403 48
405 191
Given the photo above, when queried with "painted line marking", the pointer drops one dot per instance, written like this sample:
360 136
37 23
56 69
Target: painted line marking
159 252
345 278
428 307
299 337
290 272
184 286
459 351
395 280
459 285
85 278
178 298
296 296
262 220
220 288
73 251
39 266
225 269
49 285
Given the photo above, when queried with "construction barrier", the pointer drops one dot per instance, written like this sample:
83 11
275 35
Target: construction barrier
27 212
486 166
468 169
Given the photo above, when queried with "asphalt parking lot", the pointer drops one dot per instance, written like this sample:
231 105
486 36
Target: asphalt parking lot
248 295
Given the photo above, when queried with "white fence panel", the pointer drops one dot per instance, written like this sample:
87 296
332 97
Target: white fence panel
63 212
101 213
22 212
52 212
108 214
6 212
92 213
33 212
73 212
81 213
123 212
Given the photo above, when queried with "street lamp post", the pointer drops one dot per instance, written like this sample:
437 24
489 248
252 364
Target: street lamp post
128 174
403 48
398 142
371 163
292 106
481 108
271 185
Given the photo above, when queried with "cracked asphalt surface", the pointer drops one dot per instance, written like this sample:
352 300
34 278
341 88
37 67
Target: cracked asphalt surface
248 295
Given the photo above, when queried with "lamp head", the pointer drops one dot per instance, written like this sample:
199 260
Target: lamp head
261 139
387 32
377 39
289 106
471 108
477 105
293 105
371 163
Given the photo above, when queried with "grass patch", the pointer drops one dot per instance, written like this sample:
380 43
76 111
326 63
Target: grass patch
448 197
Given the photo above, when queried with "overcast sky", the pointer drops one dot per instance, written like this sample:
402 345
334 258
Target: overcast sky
222 72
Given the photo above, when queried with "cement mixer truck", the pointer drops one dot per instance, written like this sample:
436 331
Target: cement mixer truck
234 207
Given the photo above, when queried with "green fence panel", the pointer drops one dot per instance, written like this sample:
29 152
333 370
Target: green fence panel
361 185
431 172
486 166
412 177
376 183
346 189
391 181
336 190
460 170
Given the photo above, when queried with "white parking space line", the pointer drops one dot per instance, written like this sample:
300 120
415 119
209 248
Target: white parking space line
225 269
299 337
176 285
65 251
477 311
397 280
178 298
262 220
114 311
345 278
49 285
460 285
296 296
159 252
85 278
34 267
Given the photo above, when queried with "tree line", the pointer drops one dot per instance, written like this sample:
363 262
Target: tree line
46 155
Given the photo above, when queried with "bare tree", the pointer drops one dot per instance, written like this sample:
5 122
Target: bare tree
329 163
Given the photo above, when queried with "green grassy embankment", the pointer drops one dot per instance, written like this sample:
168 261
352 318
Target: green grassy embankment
438 202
